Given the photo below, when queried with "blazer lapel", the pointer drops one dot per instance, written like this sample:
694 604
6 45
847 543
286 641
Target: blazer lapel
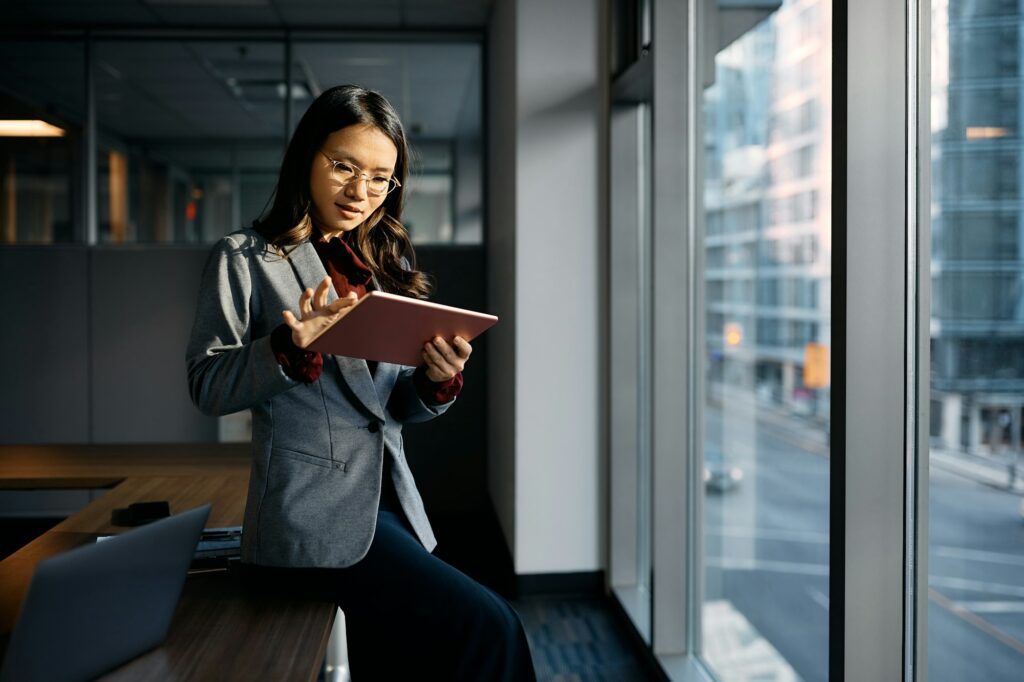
310 272
384 378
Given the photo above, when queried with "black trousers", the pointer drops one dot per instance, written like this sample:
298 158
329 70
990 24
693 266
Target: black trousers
410 615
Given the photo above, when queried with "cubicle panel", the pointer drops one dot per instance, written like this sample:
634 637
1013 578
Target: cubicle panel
143 302
45 345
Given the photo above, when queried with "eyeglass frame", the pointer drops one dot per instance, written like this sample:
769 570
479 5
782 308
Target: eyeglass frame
393 182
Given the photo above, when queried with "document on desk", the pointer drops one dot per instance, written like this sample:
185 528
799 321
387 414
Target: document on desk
220 542
390 328
213 544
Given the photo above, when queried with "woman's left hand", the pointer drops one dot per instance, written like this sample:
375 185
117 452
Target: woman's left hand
445 360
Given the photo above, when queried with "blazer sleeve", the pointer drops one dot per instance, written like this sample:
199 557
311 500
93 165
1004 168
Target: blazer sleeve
407 405
228 371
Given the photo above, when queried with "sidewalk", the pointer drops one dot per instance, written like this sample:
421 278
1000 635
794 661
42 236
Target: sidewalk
811 436
977 468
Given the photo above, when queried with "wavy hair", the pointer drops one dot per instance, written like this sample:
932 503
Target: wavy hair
381 239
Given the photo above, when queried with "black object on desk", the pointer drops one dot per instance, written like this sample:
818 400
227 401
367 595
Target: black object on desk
140 513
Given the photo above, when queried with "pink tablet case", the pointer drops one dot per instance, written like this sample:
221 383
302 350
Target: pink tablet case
391 328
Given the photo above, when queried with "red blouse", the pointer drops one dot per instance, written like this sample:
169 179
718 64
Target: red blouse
348 273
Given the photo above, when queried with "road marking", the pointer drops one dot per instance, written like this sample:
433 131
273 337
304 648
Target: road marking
809 536
816 537
952 583
994 606
818 596
730 564
978 555
962 613
798 568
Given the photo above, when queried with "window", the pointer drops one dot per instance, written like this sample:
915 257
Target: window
765 450
975 623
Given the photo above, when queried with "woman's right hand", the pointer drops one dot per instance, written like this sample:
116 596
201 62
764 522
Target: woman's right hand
317 315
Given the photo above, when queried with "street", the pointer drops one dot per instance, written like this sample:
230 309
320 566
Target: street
766 548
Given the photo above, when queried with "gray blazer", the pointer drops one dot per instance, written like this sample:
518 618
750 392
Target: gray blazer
318 449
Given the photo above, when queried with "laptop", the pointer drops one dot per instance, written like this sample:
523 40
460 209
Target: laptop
93 608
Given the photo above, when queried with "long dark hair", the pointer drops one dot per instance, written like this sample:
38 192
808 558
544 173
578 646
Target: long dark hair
381 240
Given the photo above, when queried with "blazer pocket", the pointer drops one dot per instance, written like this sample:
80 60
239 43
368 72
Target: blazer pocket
308 459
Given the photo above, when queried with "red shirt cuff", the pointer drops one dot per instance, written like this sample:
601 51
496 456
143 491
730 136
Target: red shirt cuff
298 364
436 392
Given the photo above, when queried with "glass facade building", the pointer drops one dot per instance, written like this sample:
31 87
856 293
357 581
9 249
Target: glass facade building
976 549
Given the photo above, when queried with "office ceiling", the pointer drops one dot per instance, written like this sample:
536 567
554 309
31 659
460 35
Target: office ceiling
160 88
174 89
320 14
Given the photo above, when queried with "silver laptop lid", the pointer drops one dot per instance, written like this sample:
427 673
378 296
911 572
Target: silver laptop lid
95 607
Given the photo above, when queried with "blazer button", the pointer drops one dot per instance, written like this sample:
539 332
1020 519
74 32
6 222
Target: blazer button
374 427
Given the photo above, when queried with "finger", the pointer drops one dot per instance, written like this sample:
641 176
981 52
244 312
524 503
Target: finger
463 347
437 361
342 303
289 319
320 300
433 373
446 350
305 306
347 302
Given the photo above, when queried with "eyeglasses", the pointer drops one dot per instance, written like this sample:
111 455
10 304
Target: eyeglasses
376 185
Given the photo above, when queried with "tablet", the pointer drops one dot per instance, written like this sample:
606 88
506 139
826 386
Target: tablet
391 328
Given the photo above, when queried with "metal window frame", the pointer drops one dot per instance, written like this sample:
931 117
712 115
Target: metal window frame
881 244
880 308
625 374
675 626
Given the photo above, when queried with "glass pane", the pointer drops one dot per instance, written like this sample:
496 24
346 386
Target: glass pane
976 522
41 169
767 308
190 137
436 89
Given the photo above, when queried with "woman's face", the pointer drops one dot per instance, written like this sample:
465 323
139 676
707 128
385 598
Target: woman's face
342 206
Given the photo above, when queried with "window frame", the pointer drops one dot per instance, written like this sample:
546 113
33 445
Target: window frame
880 291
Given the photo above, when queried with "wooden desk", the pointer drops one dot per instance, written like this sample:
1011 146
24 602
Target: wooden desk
219 632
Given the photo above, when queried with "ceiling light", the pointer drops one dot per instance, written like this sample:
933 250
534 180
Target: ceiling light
28 128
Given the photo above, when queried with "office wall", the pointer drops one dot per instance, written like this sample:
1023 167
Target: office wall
544 67
95 340
143 306
45 345
501 263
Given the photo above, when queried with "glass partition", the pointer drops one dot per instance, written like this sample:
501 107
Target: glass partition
190 137
42 110
436 89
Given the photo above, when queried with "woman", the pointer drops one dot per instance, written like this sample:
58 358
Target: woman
333 511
